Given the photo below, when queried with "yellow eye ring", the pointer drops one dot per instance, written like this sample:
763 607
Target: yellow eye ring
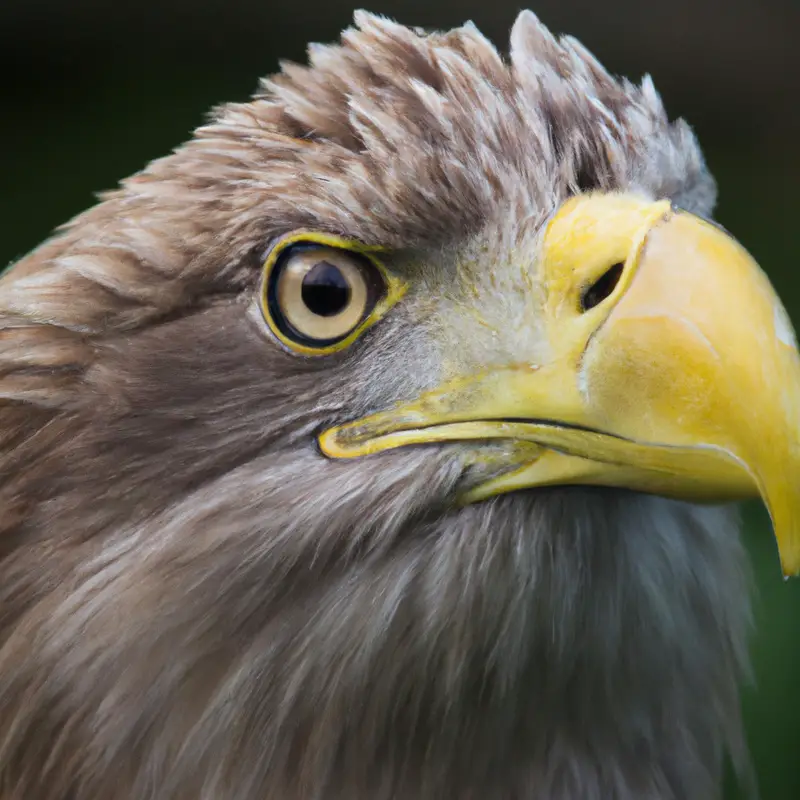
320 292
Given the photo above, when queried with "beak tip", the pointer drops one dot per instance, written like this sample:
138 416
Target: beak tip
790 563
790 572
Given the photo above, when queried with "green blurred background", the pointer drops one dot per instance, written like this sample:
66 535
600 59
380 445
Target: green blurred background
93 89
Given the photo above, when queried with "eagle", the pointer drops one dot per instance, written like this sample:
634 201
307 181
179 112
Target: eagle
383 442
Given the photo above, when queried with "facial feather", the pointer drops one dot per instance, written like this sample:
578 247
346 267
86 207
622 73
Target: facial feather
196 603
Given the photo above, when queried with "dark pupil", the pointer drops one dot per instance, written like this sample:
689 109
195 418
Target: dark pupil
325 290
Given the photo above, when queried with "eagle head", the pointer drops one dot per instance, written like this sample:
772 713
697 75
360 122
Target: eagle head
378 443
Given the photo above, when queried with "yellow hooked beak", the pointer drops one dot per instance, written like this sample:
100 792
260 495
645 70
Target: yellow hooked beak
683 381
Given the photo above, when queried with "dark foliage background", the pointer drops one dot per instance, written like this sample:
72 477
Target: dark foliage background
93 89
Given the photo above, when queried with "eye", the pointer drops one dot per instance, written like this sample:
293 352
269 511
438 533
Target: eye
318 295
601 288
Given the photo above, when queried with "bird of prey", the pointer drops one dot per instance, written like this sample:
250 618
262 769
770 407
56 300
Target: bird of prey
381 443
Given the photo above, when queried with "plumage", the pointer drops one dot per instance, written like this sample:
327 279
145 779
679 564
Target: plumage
197 603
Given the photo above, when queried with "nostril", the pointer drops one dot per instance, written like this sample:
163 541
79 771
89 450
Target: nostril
602 287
